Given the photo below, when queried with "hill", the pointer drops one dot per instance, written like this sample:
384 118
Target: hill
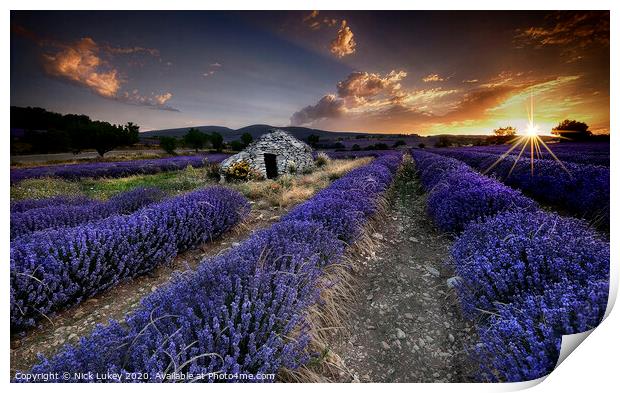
256 130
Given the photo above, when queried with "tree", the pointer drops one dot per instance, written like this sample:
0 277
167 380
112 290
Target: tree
217 140
399 142
572 130
104 140
195 139
421 145
505 131
168 144
132 132
313 140
246 138
49 131
443 141
236 145
501 135
356 147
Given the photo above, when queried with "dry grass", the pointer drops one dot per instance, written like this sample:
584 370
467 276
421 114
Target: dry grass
328 318
44 188
288 190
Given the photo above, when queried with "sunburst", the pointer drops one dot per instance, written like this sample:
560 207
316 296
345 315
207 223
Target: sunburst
531 141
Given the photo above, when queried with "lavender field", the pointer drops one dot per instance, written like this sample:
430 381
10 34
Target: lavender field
513 288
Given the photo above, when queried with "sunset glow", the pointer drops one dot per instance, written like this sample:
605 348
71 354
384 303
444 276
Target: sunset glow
331 70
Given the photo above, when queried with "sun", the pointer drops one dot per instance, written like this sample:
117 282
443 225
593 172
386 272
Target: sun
531 130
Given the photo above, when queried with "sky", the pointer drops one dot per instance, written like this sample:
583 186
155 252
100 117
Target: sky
422 72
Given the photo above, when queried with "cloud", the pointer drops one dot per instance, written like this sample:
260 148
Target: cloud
312 21
359 87
86 64
344 44
330 22
470 81
329 106
153 101
114 50
475 103
432 78
366 95
81 64
372 101
575 32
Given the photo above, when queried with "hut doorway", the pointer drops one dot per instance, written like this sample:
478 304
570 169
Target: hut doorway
271 166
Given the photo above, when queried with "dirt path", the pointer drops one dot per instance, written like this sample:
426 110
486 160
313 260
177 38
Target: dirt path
67 326
405 324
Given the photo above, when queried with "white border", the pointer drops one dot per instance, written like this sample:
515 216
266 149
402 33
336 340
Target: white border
592 366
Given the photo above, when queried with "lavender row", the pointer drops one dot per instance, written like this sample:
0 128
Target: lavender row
579 153
115 169
70 215
457 194
537 275
583 190
244 312
359 153
56 268
63 200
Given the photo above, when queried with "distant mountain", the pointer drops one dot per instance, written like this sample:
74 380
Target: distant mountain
179 132
256 130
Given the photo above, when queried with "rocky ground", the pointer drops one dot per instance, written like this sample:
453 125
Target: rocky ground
405 324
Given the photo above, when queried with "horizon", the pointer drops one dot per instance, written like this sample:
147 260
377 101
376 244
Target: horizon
351 71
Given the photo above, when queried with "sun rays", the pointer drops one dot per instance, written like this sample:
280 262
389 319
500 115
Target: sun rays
531 141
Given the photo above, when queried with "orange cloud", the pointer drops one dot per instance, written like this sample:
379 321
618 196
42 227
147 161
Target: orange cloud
80 63
432 78
360 86
312 20
374 102
344 44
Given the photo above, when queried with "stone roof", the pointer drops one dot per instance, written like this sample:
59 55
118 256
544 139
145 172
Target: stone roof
289 151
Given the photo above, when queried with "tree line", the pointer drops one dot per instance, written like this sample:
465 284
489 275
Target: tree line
45 132
196 139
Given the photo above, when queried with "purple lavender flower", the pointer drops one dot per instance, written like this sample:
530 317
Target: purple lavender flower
55 268
72 214
115 169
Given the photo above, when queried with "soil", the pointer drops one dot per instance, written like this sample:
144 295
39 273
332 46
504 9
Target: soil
67 326
405 323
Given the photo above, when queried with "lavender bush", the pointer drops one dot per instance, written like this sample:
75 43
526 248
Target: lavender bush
241 312
54 268
115 169
458 195
523 341
69 215
584 190
28 204
517 252
591 153
538 275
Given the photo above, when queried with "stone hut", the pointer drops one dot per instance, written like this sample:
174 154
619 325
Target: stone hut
273 154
